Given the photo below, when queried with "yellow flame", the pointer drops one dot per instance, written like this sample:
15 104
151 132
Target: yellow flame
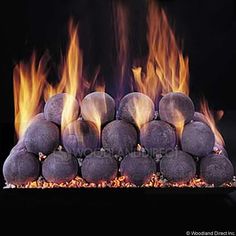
72 71
204 109
28 80
95 109
166 67
141 110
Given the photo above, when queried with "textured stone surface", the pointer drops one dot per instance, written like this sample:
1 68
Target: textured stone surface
138 167
176 108
197 139
178 166
98 107
157 137
21 167
59 167
216 169
136 108
99 166
41 136
119 137
80 137
54 107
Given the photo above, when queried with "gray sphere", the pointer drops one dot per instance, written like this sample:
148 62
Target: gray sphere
41 136
197 139
98 105
21 167
54 107
176 108
178 166
119 137
99 166
199 117
80 137
138 167
20 146
157 137
59 167
216 169
220 148
136 108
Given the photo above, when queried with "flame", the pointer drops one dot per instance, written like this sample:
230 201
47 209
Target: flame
94 109
72 72
70 76
204 109
141 110
166 69
179 123
121 37
28 81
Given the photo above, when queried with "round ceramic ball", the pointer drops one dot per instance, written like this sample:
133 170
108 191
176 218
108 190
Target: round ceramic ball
99 166
54 107
220 149
176 108
98 107
197 139
119 137
41 136
80 137
178 166
157 137
199 117
20 146
216 169
136 108
138 167
21 167
59 167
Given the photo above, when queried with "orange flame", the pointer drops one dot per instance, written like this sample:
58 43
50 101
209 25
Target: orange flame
72 72
204 109
166 67
121 36
28 80
70 76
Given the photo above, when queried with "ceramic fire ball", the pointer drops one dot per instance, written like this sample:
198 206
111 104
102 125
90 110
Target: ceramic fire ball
59 167
41 136
21 167
178 166
119 137
197 139
216 169
138 167
98 107
80 137
54 107
157 137
99 166
176 108
136 108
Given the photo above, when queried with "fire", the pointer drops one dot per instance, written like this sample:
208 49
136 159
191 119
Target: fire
204 109
72 72
121 37
28 81
166 69
179 123
70 76
138 108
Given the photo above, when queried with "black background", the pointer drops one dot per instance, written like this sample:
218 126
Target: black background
208 30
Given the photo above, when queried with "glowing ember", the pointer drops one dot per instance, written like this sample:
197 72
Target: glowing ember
120 182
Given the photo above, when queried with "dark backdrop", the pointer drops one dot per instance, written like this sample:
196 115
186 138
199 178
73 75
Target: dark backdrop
208 30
